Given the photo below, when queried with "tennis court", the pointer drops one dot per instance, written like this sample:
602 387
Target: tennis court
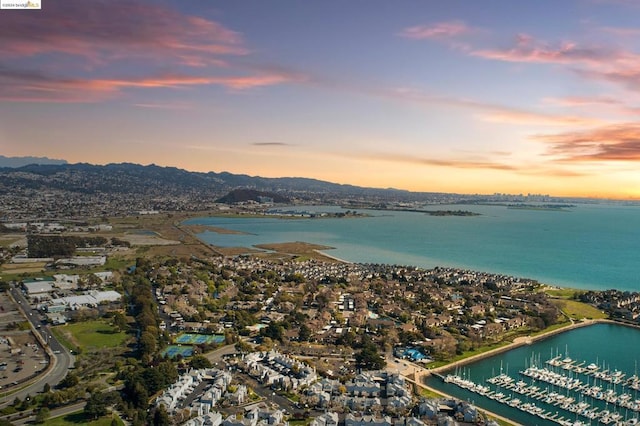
175 350
198 339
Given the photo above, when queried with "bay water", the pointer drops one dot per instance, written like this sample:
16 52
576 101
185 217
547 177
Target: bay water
590 246
609 346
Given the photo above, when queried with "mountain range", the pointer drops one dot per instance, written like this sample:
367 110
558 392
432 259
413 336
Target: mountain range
153 180
24 161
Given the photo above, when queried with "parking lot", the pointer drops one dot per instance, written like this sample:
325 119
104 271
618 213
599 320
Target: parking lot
21 356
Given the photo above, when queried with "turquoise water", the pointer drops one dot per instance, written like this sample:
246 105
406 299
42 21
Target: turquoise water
619 352
590 247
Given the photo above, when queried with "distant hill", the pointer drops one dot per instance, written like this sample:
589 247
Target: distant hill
23 161
243 195
153 180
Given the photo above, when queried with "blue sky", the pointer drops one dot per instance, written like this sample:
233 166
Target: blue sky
465 96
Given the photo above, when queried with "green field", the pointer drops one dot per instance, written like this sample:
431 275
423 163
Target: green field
78 418
93 334
563 293
578 310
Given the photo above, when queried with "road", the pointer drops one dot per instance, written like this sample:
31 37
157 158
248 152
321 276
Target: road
57 412
264 391
216 355
61 358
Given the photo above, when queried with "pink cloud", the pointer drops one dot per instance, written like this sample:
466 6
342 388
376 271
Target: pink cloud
527 49
438 30
494 112
622 32
475 164
599 63
460 164
164 105
117 29
35 87
597 104
580 101
619 142
628 77
120 37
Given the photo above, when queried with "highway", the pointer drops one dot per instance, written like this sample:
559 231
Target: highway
61 358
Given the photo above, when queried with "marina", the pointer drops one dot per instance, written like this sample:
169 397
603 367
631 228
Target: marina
563 392
565 378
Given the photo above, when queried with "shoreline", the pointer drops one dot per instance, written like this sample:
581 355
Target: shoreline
429 263
487 413
424 373
521 341
337 259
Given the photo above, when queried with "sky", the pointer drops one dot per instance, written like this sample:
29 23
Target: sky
445 96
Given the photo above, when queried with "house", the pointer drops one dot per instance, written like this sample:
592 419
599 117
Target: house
210 419
411 421
326 419
351 420
240 396
470 413
363 385
429 408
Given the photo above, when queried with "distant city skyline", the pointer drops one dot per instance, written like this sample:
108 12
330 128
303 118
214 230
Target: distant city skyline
464 97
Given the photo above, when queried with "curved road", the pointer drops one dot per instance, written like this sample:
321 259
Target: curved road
61 358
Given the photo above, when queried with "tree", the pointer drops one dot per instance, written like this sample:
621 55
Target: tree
199 361
96 406
304 333
147 343
42 415
369 359
273 331
161 417
120 321
70 380
138 395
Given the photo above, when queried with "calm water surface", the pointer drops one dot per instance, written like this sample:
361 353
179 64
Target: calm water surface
589 247
610 346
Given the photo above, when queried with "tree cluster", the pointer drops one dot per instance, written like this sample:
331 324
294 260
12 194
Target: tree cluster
59 245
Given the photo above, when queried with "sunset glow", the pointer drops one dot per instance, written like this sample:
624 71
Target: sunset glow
468 97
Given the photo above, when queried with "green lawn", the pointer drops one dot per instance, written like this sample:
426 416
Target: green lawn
563 293
578 310
93 334
78 418
428 393
299 422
